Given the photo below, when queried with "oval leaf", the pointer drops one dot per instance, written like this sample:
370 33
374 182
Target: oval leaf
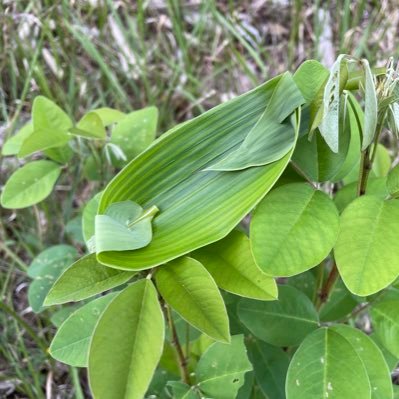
285 322
293 229
366 249
393 182
327 366
373 360
90 127
71 343
83 279
189 289
231 264
129 336
30 184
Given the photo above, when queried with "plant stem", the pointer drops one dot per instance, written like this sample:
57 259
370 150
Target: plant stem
327 287
182 360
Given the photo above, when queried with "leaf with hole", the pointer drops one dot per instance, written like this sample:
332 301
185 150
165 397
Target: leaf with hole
220 371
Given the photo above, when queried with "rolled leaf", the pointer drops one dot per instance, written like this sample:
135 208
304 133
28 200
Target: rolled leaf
196 206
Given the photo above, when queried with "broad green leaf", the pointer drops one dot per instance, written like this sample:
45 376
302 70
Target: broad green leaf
196 207
385 319
135 132
55 257
270 367
376 186
382 161
393 182
370 106
89 216
14 143
327 366
129 336
270 139
372 358
73 229
125 226
90 126
109 116
45 269
60 315
221 369
305 282
390 359
189 289
84 279
329 126
299 225
366 249
30 184
285 322
231 264
71 343
50 127
183 391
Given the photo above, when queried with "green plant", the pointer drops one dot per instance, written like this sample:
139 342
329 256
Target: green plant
193 308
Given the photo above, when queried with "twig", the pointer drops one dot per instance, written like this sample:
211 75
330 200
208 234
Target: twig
182 360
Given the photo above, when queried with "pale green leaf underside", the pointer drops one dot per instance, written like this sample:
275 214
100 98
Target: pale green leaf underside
83 279
89 215
129 336
326 366
196 207
221 369
30 184
270 139
125 226
370 106
293 229
231 264
372 358
285 322
187 286
366 249
71 343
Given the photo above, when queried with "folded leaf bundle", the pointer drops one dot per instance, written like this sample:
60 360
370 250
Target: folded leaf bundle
198 205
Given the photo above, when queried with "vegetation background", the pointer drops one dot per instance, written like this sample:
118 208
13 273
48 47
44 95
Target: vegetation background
182 56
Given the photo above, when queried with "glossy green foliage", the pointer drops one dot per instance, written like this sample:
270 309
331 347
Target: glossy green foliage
187 286
231 264
129 336
84 279
197 207
293 229
221 369
327 366
366 249
14 143
71 343
30 184
285 322
45 269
